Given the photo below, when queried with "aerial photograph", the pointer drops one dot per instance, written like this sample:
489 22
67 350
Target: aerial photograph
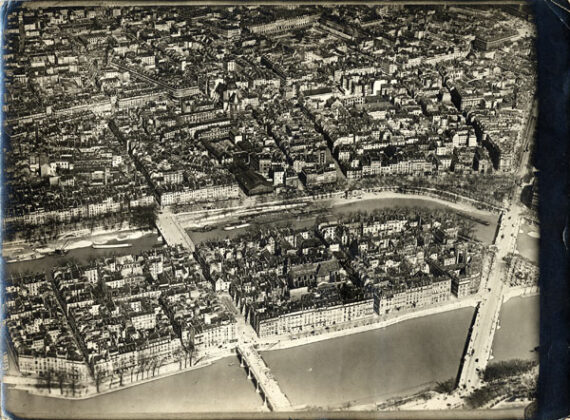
263 208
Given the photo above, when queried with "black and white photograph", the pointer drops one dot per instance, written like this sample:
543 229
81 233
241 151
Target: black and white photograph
265 209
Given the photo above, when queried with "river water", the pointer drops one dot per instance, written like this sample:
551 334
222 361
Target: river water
361 368
356 369
374 365
485 231
83 255
528 242
222 386
519 334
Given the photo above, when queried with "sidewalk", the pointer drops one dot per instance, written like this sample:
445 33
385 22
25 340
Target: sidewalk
90 391
285 342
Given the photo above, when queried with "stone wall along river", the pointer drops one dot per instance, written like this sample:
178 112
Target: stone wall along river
222 386
375 365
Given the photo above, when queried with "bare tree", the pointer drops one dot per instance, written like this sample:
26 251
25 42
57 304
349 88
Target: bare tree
159 363
142 366
149 365
179 355
120 371
74 380
154 364
189 351
48 377
100 375
61 376
132 369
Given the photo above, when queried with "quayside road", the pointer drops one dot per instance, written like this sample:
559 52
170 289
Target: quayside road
478 351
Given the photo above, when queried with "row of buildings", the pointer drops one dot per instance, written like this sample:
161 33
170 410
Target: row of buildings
286 281
116 315
114 108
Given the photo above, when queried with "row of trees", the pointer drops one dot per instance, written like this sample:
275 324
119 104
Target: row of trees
64 380
488 188
141 217
147 367
508 379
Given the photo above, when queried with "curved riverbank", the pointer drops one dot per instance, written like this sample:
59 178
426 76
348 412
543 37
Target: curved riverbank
279 215
140 240
412 356
202 388
423 198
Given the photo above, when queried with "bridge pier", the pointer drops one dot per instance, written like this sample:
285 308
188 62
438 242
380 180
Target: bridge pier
268 389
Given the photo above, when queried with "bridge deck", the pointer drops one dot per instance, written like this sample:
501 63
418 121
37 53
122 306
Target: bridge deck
480 341
172 232
275 396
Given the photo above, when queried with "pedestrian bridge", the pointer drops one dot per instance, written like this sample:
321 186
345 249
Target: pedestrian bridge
260 374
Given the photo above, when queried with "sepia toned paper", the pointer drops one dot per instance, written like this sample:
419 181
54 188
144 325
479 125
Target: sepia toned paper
270 210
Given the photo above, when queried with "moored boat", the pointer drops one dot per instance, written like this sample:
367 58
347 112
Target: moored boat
236 226
110 246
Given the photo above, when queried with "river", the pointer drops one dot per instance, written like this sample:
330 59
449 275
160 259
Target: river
222 386
374 365
485 232
359 368
528 242
83 255
520 330
362 367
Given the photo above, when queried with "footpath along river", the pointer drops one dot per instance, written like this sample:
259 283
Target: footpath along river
83 255
359 368
485 231
374 365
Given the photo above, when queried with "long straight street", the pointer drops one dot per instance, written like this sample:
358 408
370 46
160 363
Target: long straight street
481 336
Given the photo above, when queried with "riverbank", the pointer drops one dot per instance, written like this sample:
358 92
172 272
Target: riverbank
389 195
362 370
12 251
278 343
82 256
522 291
28 384
518 333
376 323
306 216
193 391
208 383
35 251
210 216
